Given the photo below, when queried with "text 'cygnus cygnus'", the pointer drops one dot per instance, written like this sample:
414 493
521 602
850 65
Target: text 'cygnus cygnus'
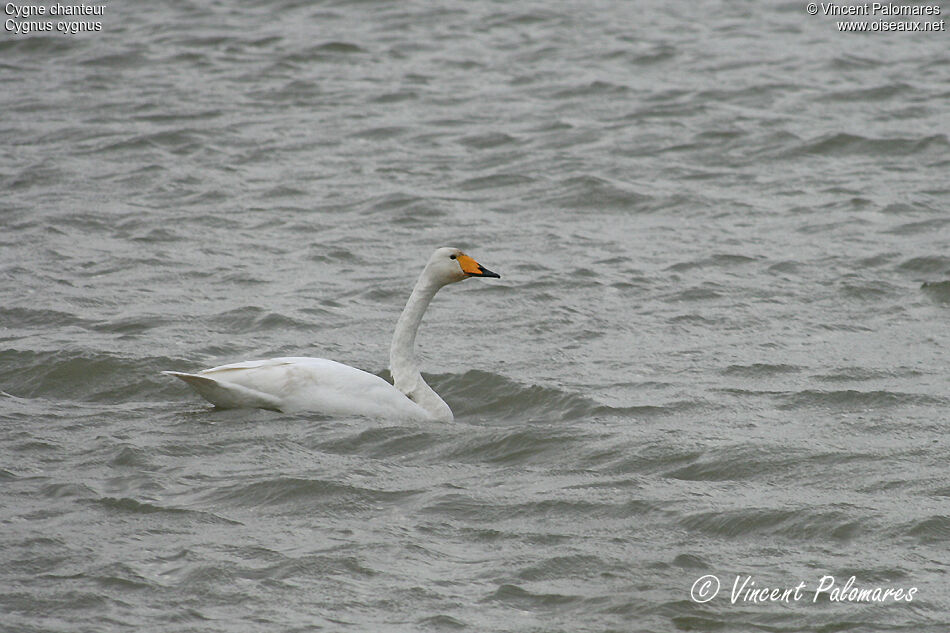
325 386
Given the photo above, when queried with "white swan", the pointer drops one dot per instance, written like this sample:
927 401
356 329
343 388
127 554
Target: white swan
325 386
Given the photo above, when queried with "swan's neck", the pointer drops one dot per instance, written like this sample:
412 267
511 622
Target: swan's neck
402 359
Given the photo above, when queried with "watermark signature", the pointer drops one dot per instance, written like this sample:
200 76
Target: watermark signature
880 16
745 590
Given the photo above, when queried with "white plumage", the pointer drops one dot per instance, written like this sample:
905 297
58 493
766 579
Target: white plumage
332 388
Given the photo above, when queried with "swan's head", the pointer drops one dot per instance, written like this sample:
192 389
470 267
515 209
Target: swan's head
448 265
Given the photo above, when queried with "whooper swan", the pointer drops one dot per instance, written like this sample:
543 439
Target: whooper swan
331 388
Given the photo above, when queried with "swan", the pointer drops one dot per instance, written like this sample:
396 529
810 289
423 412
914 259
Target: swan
332 388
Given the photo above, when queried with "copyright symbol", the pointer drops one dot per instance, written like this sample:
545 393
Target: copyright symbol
812 8
704 589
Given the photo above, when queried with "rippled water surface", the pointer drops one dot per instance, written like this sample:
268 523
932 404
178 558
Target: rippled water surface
718 347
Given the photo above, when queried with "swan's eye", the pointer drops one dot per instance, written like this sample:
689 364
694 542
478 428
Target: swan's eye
453 256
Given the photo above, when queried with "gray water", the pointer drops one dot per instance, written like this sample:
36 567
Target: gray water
718 347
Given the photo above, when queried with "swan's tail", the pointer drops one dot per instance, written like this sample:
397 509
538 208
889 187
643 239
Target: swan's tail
226 395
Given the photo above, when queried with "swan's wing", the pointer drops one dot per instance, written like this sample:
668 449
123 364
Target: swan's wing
227 395
311 384
252 364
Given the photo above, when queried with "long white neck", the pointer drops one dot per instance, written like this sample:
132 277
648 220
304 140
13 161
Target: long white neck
402 360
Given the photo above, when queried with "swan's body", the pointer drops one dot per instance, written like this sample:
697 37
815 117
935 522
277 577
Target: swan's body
331 388
301 384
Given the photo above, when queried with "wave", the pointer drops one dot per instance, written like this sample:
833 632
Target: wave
328 51
939 291
459 506
791 523
488 140
495 182
842 144
61 374
82 375
877 93
930 264
305 493
478 393
513 446
592 192
382 442
508 445
760 370
251 319
133 506
112 576
861 374
721 260
519 598
933 529
755 461
918 228
563 566
593 88
851 399
441 622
